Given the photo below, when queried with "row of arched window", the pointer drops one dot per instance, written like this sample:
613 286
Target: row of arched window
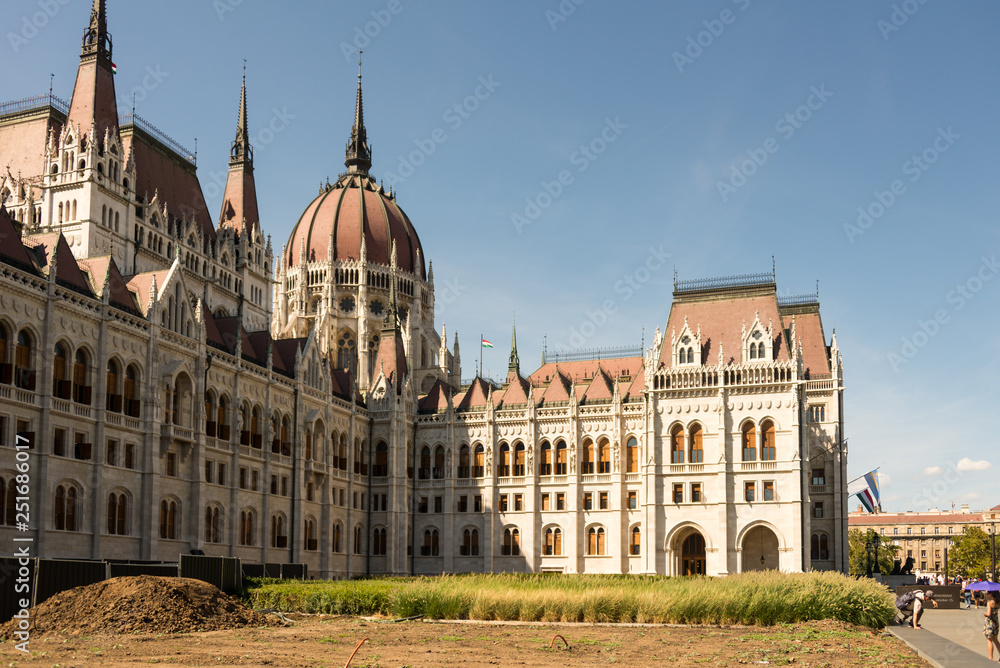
67 507
553 459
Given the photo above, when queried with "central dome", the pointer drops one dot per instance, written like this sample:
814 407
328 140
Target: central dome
355 212
352 209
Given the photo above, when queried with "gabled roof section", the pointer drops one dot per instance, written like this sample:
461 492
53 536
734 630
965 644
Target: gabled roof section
390 360
437 399
286 349
583 370
343 381
140 284
68 273
558 389
477 396
12 250
638 386
517 392
601 387
103 270
229 328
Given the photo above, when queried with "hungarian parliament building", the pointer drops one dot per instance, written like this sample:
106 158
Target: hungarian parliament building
175 383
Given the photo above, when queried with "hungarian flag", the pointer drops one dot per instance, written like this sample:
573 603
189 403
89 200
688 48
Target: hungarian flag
487 344
114 68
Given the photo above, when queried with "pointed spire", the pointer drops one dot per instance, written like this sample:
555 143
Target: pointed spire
96 39
514 365
241 152
391 321
358 157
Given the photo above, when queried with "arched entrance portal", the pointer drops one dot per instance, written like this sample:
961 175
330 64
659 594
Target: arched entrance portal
693 555
760 550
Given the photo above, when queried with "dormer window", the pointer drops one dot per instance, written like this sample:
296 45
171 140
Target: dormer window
685 355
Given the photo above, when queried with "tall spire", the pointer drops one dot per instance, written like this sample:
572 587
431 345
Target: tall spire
514 366
391 321
358 157
241 152
93 103
96 39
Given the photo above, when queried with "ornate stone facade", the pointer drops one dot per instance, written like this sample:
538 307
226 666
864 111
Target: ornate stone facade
177 399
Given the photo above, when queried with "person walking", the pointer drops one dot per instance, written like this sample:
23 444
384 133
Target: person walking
990 626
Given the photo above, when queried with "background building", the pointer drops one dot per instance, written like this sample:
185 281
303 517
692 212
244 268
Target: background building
175 399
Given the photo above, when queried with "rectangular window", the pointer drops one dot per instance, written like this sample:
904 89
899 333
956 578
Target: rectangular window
696 492
678 495
560 501
477 503
363 501
545 502
221 473
749 492
951 529
769 490
24 434
633 500
503 503
171 464
309 492
818 510
819 477
255 480
603 501
130 462
354 502
937 530
438 504
895 531
111 454
274 487
518 503
422 505
3 430
923 530
284 489
463 503
817 413
343 497
59 442
588 501
81 448
244 476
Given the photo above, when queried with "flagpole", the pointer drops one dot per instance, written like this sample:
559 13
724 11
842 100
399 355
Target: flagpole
481 355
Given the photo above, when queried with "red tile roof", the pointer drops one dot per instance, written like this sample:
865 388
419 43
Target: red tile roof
517 392
10 242
558 389
140 284
436 399
476 396
809 332
601 387
93 100
391 360
582 370
239 202
67 270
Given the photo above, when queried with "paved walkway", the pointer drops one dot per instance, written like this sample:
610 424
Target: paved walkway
949 638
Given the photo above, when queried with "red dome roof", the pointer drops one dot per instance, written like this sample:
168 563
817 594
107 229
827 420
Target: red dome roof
353 206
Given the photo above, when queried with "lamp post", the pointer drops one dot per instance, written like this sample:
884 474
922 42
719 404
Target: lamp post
868 557
993 549
877 541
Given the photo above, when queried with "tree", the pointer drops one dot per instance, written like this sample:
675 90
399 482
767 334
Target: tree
858 553
970 554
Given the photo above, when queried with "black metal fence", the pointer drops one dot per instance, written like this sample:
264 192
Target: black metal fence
40 579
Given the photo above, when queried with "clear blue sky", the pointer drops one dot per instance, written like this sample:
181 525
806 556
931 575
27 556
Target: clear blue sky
688 92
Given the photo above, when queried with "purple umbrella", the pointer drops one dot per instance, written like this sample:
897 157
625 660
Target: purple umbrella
983 586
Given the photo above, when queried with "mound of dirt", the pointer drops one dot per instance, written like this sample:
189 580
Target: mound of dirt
142 604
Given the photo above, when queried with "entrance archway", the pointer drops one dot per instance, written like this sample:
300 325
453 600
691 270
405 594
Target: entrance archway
693 555
759 550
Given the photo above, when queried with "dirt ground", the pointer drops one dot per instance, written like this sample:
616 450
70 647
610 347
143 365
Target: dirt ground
314 641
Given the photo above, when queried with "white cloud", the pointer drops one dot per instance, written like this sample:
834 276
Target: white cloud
884 480
933 470
971 496
966 464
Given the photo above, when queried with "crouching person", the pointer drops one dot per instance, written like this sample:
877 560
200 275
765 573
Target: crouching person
911 607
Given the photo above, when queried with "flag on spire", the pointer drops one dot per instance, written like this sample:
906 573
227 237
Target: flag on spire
487 344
